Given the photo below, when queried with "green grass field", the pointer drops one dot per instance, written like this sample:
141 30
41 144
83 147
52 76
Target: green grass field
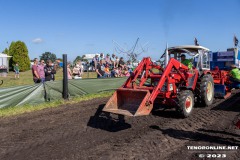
26 78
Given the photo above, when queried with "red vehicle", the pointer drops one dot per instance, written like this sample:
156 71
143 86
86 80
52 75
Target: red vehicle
175 85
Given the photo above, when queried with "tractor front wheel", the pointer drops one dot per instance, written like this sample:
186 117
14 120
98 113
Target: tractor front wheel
186 103
207 90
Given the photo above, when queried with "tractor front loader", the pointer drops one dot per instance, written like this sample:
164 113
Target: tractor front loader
176 85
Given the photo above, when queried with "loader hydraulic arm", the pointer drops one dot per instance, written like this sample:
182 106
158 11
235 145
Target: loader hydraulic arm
142 69
173 63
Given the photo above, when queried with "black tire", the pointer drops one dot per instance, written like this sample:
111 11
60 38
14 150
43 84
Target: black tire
186 103
207 90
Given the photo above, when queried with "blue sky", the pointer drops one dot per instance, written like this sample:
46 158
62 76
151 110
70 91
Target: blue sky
77 27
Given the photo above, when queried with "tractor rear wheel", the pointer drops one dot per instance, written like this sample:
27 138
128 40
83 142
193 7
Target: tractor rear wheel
207 90
186 103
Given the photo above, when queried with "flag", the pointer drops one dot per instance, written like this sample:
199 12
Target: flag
235 40
196 42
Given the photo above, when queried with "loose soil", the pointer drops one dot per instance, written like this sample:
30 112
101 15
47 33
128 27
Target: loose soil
82 131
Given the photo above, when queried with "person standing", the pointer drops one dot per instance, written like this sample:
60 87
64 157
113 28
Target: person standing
95 61
69 72
41 72
16 70
50 71
36 77
101 57
113 59
234 74
108 60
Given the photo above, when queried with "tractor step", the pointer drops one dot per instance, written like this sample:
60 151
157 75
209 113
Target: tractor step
129 102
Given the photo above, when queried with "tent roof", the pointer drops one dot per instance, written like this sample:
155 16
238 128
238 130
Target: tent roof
4 55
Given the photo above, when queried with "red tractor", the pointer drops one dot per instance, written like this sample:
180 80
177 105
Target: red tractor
176 85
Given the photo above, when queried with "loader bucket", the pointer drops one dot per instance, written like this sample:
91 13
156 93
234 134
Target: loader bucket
129 102
219 90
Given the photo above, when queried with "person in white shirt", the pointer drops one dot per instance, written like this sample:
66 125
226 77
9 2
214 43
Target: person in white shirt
78 70
116 61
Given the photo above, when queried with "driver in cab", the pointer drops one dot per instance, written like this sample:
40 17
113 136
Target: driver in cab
184 61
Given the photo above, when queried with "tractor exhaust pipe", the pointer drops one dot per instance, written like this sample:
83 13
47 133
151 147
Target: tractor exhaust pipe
166 56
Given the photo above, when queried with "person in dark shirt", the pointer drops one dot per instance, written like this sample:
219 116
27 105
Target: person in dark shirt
16 70
50 71
121 63
100 70
95 61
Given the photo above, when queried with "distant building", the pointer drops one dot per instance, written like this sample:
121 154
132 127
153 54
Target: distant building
89 57
4 61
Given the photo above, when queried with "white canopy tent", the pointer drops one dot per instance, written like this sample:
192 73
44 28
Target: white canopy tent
4 60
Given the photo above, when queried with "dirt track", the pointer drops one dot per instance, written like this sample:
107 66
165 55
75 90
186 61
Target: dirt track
81 131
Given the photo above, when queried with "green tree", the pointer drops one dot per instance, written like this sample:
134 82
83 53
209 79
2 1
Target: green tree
5 51
79 58
48 56
19 52
60 59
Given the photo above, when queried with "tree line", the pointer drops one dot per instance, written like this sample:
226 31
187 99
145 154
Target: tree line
19 52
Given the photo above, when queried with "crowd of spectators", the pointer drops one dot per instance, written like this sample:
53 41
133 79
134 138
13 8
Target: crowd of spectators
42 72
111 66
105 67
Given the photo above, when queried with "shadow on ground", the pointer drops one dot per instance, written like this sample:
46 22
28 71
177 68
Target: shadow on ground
230 104
198 136
166 113
107 121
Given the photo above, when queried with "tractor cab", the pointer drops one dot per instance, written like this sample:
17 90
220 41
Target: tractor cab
198 55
